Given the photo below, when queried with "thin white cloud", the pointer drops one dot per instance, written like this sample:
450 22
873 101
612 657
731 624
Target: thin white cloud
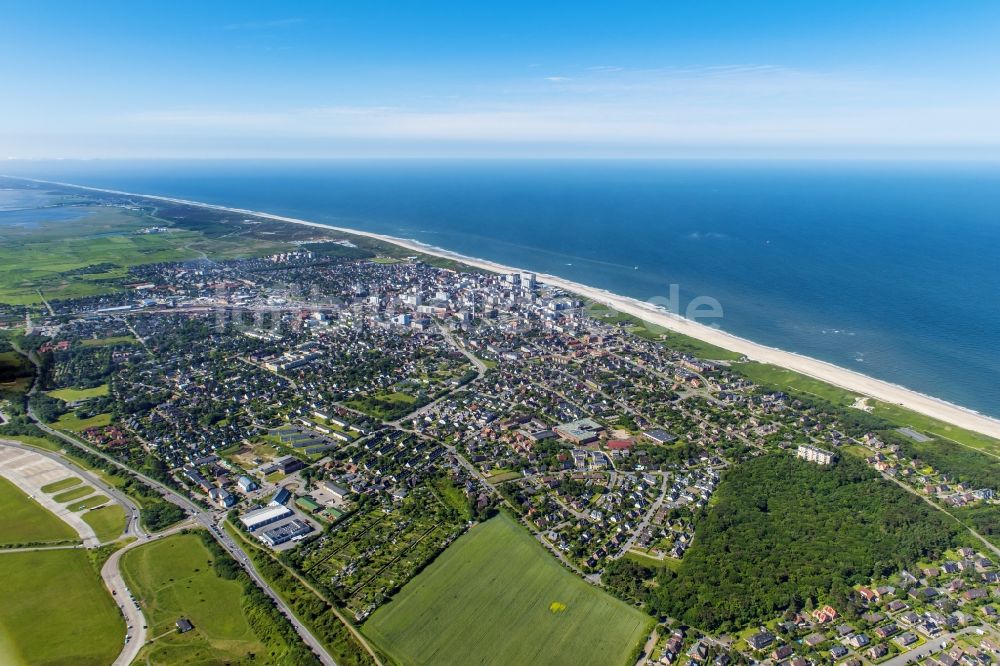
263 25
594 123
734 105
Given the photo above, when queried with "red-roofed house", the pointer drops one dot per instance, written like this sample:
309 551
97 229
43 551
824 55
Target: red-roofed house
824 614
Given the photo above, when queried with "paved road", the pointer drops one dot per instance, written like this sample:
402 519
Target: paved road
913 491
931 647
135 620
202 517
473 359
641 527
207 520
132 527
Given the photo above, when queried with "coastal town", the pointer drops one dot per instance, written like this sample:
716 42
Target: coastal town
357 416
424 334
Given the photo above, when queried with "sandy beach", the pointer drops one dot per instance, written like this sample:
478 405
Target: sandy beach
828 372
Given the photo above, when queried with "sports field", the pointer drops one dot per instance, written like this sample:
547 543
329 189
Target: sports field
172 578
23 520
496 597
54 610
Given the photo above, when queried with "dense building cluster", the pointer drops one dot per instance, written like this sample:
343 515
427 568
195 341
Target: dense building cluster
361 413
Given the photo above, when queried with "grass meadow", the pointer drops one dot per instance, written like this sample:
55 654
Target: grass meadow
108 521
23 520
496 597
76 395
173 578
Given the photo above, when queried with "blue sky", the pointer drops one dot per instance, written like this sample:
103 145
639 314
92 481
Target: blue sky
370 78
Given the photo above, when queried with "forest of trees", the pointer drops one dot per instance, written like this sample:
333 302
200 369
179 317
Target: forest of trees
959 462
785 533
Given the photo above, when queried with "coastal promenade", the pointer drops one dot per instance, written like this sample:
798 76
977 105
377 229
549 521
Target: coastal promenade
822 370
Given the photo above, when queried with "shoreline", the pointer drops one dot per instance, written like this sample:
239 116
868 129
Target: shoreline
830 373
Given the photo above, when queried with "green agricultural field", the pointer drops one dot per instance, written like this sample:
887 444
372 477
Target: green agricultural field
76 395
50 260
55 611
73 423
496 597
75 493
22 520
173 578
63 484
108 521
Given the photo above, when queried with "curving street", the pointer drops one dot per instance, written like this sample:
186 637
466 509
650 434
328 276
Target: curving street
201 516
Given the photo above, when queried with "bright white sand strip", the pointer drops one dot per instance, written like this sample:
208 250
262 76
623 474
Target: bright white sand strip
828 372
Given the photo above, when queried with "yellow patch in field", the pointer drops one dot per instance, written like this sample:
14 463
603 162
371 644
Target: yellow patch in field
556 607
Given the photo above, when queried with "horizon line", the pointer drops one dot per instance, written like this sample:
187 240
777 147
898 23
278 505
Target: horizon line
498 158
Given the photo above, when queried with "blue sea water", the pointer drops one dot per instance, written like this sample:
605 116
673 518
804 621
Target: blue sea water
891 269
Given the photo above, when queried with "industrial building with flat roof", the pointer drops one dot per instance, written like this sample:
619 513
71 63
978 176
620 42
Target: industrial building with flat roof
286 532
581 431
284 464
338 491
659 436
254 520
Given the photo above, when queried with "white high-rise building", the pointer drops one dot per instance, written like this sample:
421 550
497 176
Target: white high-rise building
815 454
